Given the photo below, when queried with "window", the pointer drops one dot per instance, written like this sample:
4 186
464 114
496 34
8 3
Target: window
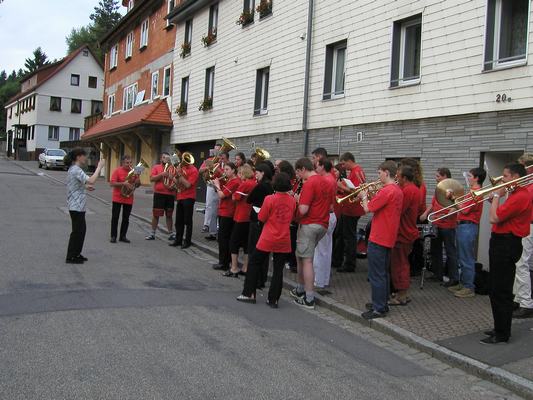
188 31
33 132
10 112
507 33
166 81
144 33
406 51
129 96
55 103
131 4
74 80
96 107
53 133
213 19
155 85
129 45
335 70
113 57
93 82
85 53
249 6
209 83
261 91
74 134
75 106
170 7
111 104
184 93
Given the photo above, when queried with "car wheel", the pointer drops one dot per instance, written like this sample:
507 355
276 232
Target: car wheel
39 163
46 166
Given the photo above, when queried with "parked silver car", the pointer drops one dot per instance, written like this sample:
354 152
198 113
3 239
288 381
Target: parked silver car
52 158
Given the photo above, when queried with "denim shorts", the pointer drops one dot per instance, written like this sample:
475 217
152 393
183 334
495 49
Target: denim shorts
307 239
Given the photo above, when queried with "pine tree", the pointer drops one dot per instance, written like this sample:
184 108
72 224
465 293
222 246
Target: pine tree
39 59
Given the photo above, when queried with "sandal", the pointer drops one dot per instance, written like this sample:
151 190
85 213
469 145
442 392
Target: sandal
397 302
246 299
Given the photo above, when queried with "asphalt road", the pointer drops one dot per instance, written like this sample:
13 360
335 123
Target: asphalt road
146 321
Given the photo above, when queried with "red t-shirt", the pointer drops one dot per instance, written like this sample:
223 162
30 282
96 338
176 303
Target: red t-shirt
445 223
515 213
408 231
318 194
472 213
387 208
159 187
191 174
242 207
423 193
276 213
226 207
356 176
119 175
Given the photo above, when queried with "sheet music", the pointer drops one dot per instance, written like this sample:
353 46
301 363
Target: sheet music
349 183
256 209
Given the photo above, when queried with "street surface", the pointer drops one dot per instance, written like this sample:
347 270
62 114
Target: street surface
147 321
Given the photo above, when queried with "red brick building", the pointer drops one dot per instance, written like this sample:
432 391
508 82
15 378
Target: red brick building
138 85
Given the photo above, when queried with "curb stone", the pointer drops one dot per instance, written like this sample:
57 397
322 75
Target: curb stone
515 383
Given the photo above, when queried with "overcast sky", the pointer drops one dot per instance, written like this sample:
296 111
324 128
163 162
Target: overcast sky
28 24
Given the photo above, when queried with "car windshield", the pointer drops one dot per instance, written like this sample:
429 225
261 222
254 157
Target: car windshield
56 152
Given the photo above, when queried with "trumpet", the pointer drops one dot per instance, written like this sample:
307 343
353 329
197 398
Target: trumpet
473 198
371 187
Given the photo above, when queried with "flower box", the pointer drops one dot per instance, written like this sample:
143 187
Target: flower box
206 104
185 50
264 8
246 18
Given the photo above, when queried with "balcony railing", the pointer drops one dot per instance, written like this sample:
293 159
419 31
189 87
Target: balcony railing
92 120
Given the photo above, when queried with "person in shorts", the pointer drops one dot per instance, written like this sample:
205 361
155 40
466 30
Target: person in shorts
314 204
163 204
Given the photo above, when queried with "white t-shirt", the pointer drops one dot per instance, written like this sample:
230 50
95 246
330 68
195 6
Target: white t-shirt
76 197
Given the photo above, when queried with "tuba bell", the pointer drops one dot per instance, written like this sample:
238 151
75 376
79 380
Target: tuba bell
132 178
261 155
226 147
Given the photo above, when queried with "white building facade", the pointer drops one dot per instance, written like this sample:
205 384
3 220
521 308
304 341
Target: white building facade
53 103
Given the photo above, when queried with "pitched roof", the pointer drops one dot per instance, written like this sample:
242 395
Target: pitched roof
156 113
47 72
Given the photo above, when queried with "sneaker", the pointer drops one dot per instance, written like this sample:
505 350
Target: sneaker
83 258
295 294
150 237
455 288
523 313
493 340
74 260
371 314
302 301
172 236
205 229
464 293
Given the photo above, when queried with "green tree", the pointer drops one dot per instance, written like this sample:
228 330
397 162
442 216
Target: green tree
82 36
39 59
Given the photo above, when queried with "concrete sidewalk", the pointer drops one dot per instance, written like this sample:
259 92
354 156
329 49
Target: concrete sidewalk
434 320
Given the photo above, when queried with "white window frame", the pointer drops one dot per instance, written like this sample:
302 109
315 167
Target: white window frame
401 62
111 104
169 9
184 100
188 31
77 135
211 83
145 27
263 108
131 4
55 132
129 45
334 94
165 77
155 76
130 90
113 57
213 19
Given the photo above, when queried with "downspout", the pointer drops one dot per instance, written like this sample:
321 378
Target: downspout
306 76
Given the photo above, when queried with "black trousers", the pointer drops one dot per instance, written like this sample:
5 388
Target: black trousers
239 237
115 214
292 256
225 226
184 213
504 252
345 249
257 259
254 232
77 236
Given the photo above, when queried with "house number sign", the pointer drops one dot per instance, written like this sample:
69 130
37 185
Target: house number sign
502 98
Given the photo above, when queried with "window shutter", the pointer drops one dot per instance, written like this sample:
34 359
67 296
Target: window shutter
258 81
489 44
329 72
395 62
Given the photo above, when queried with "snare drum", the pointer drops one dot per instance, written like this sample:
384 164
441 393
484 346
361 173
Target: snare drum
427 230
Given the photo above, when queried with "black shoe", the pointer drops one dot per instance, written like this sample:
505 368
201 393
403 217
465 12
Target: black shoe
220 267
369 306
80 257
124 240
242 273
245 299
175 243
345 270
493 340
74 260
229 274
371 314
302 301
523 313
186 245
450 283
272 304
490 333
113 240
210 237
295 294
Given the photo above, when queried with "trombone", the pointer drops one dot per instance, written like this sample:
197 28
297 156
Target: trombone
473 198
372 187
